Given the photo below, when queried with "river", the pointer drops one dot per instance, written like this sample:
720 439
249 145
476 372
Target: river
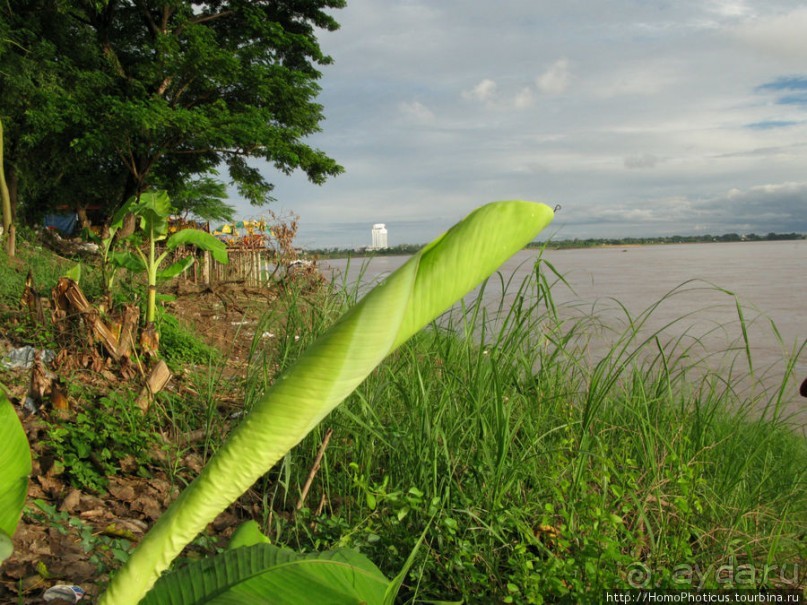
707 281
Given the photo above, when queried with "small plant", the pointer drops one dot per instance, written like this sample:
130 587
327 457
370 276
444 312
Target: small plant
105 549
153 210
90 446
181 346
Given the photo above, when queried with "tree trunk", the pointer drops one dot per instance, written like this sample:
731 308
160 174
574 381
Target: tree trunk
8 219
13 184
129 225
11 242
83 219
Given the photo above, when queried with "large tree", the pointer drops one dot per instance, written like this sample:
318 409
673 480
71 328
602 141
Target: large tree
108 97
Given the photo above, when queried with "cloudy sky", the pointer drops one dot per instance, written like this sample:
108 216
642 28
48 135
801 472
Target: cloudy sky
638 117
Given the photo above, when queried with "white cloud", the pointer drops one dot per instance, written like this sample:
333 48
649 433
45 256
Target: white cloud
730 8
416 111
484 92
641 160
525 98
781 35
627 109
638 78
556 79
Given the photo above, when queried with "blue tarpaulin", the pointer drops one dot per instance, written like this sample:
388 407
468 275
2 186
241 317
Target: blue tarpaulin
64 223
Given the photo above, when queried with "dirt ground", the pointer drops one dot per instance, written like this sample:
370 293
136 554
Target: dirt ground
71 537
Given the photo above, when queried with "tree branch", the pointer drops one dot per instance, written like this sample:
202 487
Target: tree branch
205 18
144 10
164 86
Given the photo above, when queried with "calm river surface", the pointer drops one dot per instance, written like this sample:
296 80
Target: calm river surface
769 280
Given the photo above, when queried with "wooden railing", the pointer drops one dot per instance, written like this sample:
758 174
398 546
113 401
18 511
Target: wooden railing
249 266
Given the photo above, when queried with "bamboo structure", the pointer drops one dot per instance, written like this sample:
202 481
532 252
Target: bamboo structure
247 266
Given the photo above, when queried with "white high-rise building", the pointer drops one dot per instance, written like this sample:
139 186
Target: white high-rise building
379 236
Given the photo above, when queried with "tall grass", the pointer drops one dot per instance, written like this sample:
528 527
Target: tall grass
546 470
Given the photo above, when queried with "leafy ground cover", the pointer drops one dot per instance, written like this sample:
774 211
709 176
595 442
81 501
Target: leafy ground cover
537 472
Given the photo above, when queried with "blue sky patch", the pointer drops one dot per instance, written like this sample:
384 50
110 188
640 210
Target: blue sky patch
786 83
789 90
770 124
794 99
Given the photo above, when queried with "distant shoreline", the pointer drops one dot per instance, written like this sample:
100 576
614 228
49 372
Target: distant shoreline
574 244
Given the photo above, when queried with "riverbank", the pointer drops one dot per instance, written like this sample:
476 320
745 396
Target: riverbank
534 469
538 472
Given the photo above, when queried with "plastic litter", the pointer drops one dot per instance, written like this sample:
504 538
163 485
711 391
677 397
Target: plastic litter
30 405
23 357
64 592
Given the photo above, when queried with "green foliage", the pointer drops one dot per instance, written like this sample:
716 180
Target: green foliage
104 550
90 446
266 573
180 346
107 99
248 534
46 269
203 198
548 477
152 210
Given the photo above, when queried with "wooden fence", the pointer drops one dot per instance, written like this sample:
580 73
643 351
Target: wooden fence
251 267
247 266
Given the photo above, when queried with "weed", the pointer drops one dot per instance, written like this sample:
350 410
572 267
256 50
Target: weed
90 446
106 552
179 346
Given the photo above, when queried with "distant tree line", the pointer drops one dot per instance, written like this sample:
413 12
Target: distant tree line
672 239
399 250
406 249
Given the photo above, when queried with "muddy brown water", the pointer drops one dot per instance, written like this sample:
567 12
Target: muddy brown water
700 286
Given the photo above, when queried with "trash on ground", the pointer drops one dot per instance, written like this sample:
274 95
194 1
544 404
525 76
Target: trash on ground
23 357
64 592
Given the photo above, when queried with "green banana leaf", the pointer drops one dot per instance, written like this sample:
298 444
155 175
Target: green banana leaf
127 260
264 573
6 546
74 273
182 265
15 466
200 239
153 208
417 293
248 534
120 215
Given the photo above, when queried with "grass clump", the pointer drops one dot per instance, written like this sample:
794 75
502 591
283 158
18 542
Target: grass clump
180 346
546 473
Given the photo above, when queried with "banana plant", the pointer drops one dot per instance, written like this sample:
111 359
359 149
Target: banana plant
153 209
15 466
112 259
408 300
